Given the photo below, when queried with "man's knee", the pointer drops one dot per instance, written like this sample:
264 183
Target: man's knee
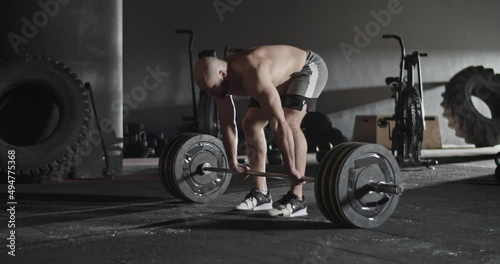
294 118
251 124
248 124
295 128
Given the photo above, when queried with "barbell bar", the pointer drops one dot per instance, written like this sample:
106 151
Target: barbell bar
206 167
379 187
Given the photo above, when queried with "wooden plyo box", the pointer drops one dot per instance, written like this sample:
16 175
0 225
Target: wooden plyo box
367 130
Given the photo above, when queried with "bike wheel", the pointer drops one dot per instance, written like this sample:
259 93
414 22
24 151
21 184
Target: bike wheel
414 126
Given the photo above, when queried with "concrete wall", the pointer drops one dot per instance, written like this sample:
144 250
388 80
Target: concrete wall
456 34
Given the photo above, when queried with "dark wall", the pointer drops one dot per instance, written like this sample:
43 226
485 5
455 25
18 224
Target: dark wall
456 34
86 36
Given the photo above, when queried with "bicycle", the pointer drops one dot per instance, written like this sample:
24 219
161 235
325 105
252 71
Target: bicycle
409 115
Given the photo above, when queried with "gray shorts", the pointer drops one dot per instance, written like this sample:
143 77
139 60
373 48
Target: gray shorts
305 86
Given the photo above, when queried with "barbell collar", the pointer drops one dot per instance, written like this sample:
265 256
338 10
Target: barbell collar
383 187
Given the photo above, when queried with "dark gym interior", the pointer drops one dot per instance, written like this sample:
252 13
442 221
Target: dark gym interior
112 152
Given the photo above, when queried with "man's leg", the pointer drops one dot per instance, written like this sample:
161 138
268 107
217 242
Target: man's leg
294 119
293 203
259 197
253 127
302 93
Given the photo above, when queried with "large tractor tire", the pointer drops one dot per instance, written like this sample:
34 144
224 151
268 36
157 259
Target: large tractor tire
44 116
463 116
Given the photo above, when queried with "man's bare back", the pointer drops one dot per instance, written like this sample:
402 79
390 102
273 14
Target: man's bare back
283 61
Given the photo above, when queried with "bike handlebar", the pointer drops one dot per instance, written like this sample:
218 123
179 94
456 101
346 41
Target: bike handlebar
400 41
403 52
390 36
191 37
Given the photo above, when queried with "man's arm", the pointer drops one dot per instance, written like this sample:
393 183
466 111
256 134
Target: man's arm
227 117
259 85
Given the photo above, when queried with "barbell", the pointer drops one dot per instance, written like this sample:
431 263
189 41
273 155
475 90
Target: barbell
356 185
380 187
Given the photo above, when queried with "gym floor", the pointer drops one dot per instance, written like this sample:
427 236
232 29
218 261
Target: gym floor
447 215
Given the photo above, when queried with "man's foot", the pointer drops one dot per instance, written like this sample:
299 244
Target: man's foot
289 206
256 201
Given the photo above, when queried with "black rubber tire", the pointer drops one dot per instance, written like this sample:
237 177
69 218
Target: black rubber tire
462 116
40 157
414 126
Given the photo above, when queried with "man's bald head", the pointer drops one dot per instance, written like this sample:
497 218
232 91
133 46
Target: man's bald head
209 72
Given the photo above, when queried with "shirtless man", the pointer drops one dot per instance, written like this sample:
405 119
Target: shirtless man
283 82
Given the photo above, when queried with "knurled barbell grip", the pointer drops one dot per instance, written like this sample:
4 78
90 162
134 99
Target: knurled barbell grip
383 187
254 173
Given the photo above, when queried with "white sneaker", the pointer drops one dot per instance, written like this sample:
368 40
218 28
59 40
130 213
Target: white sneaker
256 201
289 206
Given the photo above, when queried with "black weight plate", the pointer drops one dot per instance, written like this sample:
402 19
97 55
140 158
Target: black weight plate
321 181
166 163
168 175
164 151
368 162
170 164
330 189
321 184
163 163
189 155
333 198
318 179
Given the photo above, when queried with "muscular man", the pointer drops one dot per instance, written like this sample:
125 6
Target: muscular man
283 82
